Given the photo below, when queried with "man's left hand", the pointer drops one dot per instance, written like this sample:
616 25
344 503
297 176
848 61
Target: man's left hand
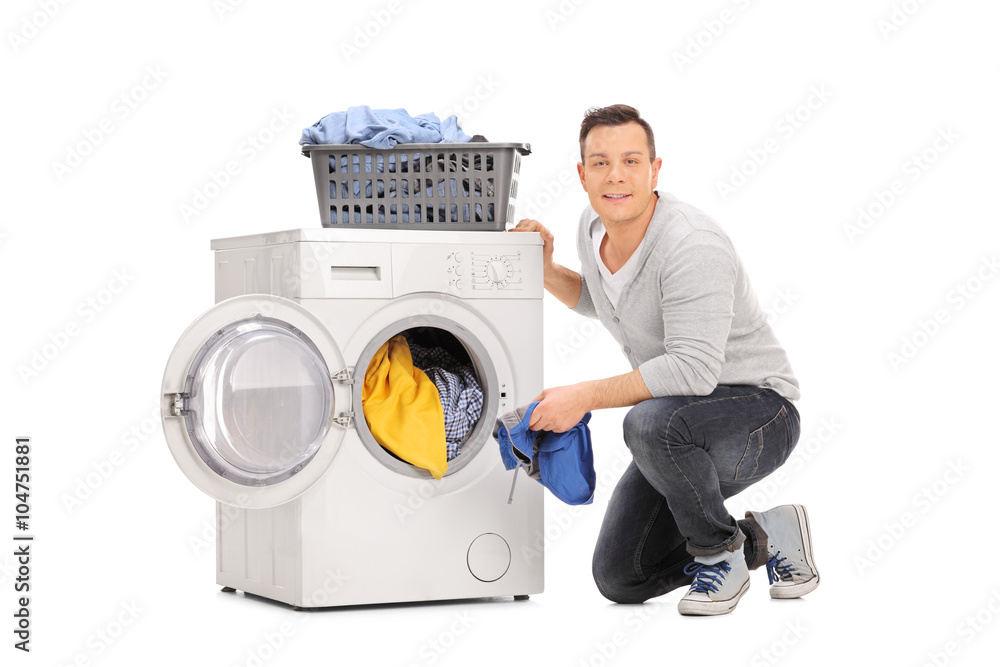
560 408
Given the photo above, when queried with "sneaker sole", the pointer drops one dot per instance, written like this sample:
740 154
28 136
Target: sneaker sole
686 608
800 589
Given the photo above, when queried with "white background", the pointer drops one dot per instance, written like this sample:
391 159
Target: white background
905 546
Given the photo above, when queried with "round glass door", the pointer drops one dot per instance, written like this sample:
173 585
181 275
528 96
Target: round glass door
250 410
259 401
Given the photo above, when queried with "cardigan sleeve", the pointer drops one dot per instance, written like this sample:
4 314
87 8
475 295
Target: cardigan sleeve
697 289
585 306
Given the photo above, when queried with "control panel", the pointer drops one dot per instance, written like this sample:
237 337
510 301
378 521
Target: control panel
468 271
485 270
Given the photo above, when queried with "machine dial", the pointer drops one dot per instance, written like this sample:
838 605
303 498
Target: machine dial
498 270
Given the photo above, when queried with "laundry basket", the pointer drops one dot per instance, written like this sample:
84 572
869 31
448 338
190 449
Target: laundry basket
447 186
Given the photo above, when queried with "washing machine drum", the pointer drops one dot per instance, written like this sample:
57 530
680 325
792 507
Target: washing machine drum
250 401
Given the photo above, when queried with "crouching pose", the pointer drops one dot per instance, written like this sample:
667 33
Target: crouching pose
712 387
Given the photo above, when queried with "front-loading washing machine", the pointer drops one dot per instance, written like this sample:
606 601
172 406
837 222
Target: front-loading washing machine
262 410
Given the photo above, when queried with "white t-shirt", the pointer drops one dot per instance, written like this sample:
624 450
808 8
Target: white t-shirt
613 283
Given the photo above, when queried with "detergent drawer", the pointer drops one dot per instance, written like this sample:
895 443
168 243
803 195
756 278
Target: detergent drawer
306 270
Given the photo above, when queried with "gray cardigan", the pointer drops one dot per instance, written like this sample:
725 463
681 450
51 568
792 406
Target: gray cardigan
689 320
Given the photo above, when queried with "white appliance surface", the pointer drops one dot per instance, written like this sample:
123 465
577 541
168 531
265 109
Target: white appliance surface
327 517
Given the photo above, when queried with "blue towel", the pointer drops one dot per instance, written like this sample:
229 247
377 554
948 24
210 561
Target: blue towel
382 128
564 461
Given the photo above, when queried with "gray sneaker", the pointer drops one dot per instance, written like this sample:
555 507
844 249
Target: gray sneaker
791 570
720 580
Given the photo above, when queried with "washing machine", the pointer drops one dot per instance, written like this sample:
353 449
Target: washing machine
262 410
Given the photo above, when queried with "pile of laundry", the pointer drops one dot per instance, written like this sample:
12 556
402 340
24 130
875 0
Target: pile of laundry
384 129
428 163
420 403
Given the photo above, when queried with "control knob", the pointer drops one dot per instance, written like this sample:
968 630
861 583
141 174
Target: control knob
498 271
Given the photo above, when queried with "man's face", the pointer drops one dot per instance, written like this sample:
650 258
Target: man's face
617 173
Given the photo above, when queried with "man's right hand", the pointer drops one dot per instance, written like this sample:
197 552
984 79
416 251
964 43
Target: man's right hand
527 225
561 282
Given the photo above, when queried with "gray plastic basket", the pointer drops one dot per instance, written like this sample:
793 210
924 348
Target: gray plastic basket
454 186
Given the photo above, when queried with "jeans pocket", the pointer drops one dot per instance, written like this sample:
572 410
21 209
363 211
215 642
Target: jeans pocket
767 447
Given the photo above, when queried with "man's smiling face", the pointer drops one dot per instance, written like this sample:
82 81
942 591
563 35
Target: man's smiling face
617 172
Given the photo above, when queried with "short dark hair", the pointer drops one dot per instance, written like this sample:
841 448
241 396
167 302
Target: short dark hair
614 115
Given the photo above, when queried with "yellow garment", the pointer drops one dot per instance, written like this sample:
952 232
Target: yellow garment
403 408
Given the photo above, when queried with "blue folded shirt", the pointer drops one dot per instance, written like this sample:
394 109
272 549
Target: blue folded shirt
382 128
562 462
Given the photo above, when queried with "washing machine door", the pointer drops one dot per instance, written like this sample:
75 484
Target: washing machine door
252 411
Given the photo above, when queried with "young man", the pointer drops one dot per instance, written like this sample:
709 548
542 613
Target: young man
711 386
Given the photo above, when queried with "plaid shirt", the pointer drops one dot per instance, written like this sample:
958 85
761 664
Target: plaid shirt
461 396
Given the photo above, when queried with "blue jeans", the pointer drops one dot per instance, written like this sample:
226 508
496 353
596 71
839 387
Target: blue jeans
689 453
